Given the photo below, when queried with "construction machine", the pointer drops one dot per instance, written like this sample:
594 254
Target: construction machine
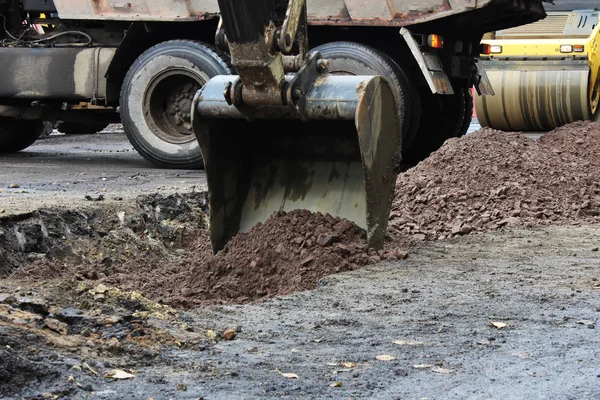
259 160
285 133
85 63
546 74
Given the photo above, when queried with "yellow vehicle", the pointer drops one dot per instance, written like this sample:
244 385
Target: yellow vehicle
545 74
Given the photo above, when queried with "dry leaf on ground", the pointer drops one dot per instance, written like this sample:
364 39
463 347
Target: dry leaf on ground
339 371
440 370
385 357
119 374
289 375
408 343
211 334
498 325
229 334
422 366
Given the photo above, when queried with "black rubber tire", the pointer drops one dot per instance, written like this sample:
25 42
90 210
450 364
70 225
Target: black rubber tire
78 128
444 117
146 112
17 135
469 104
358 59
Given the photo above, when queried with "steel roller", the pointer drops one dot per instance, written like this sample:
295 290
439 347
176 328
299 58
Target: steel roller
537 95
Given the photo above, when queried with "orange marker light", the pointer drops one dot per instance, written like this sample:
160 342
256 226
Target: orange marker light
578 48
486 49
435 41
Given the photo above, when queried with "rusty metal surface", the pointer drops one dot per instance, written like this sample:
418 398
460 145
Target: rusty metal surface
320 12
402 12
137 10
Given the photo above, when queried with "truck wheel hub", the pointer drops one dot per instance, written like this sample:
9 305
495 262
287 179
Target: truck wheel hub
168 105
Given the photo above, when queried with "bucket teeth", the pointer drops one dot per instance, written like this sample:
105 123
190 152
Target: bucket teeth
341 162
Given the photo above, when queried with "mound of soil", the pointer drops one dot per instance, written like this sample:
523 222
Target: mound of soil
290 252
580 139
492 179
157 276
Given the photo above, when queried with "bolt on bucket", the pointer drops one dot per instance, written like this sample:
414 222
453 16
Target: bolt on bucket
339 156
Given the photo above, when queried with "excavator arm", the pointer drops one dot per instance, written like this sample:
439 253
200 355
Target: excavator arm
284 134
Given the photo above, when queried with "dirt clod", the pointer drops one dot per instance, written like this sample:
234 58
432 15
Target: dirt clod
56 326
288 253
229 334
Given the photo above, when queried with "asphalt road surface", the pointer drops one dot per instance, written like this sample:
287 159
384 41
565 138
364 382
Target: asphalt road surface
64 169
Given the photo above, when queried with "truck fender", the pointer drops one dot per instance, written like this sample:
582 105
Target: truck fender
482 82
430 65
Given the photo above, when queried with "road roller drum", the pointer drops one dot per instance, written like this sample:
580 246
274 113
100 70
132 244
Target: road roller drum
544 74
536 96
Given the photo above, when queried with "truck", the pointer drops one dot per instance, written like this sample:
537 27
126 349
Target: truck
547 73
85 63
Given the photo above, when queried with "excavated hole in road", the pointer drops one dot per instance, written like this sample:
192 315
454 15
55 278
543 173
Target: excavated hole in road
159 245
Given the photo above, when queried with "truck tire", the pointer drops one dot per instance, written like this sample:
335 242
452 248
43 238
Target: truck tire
469 104
17 135
78 128
444 117
352 58
156 100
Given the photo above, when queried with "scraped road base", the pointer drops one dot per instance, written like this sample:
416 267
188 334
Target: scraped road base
437 306
62 170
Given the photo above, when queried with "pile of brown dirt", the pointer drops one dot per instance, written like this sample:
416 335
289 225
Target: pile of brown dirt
580 139
290 252
492 179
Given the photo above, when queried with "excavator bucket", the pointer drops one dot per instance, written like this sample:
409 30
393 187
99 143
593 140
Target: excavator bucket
340 158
